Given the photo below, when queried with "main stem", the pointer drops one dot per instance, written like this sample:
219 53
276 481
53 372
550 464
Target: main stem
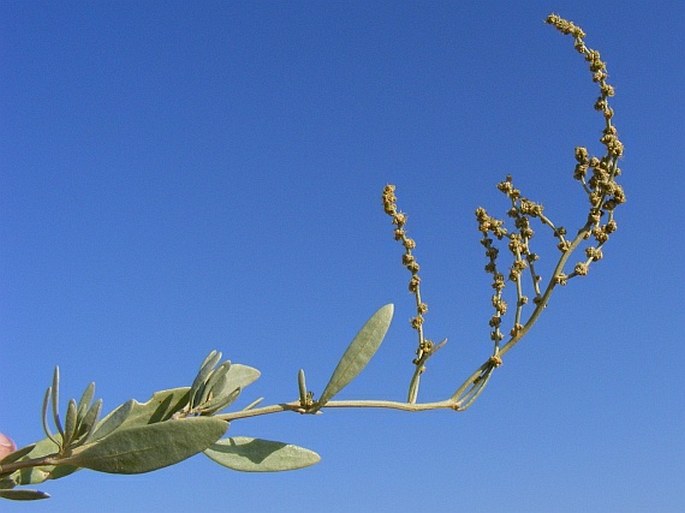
295 406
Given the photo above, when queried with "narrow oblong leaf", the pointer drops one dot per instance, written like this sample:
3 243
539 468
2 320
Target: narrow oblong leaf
139 449
302 387
219 403
86 399
217 377
358 353
113 420
89 421
44 417
205 369
23 495
55 401
254 455
253 404
70 422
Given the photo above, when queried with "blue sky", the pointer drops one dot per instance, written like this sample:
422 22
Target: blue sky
177 177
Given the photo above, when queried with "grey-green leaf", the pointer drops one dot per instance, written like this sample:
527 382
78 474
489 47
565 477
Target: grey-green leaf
302 387
137 449
160 407
254 455
240 376
215 382
86 399
88 422
70 422
35 475
205 369
55 400
227 390
23 495
253 404
358 353
19 453
219 403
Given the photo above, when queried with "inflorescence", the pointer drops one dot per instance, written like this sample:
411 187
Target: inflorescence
597 176
399 219
604 195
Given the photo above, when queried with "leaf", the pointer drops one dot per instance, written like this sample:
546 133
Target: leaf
160 407
253 404
55 400
86 399
70 422
227 390
240 376
23 495
88 423
219 403
113 420
302 387
216 380
206 367
254 455
138 449
14 456
44 416
35 475
358 353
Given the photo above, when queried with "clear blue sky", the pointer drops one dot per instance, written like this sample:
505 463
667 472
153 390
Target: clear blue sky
182 176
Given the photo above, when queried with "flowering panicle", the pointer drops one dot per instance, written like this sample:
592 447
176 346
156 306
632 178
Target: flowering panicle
489 225
597 176
399 219
602 189
426 347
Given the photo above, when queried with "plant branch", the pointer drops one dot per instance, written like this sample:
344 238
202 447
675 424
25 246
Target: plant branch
49 460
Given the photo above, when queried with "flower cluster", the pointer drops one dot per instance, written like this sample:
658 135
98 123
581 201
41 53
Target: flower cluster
522 211
489 225
604 193
399 219
597 176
